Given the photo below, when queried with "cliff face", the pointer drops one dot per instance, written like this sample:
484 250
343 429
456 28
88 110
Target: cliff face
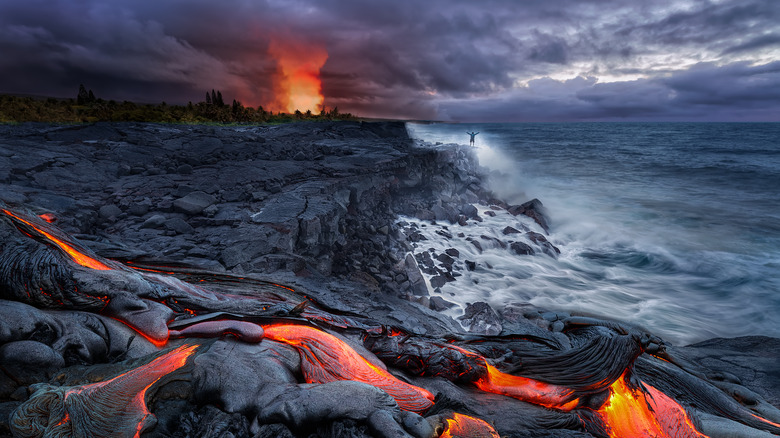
316 198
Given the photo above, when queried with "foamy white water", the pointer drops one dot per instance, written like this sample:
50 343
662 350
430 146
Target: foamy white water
680 237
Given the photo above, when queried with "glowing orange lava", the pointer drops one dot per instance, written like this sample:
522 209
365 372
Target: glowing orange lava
78 257
463 426
529 390
297 84
766 421
326 358
158 342
630 413
119 403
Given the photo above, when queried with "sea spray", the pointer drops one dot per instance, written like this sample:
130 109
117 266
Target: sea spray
674 227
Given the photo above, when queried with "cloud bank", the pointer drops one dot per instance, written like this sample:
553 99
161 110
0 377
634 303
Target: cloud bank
495 60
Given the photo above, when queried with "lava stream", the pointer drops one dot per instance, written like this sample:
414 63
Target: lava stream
326 358
630 413
464 426
77 256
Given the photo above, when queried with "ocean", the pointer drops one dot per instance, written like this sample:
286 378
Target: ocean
674 227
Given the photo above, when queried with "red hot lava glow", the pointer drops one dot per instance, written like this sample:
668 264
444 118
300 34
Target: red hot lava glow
326 358
297 84
124 396
463 426
77 256
630 413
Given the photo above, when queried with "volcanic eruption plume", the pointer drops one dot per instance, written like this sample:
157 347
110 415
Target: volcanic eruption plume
297 84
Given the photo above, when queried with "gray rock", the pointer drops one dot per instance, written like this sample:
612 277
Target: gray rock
234 255
283 208
139 208
184 169
480 318
533 209
109 212
179 226
183 190
300 156
194 203
416 280
469 210
438 303
438 281
446 260
546 246
155 221
521 248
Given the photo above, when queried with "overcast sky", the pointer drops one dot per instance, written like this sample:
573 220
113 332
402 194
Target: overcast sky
487 60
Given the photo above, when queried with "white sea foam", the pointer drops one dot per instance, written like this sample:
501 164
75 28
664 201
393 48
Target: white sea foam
633 246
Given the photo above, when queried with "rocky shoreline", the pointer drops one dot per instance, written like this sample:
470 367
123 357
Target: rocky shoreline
315 206
312 199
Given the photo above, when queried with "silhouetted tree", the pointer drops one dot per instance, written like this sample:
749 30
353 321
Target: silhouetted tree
208 98
83 97
219 100
213 97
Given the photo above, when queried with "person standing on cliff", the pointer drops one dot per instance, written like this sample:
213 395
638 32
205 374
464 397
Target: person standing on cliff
472 134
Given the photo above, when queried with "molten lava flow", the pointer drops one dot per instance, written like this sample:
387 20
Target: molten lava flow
78 257
630 413
529 390
115 407
326 358
297 84
463 426
157 341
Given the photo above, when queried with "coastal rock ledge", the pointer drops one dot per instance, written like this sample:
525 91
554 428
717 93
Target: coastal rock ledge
260 281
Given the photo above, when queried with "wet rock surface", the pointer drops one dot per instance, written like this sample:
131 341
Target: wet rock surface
331 214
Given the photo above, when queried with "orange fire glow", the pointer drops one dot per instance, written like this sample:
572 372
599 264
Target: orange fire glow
159 342
463 426
631 413
766 421
326 358
78 257
125 394
297 84
529 390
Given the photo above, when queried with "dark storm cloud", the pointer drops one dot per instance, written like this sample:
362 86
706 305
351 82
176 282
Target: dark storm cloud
454 59
736 92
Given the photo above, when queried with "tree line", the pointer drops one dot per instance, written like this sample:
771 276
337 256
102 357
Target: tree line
86 107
